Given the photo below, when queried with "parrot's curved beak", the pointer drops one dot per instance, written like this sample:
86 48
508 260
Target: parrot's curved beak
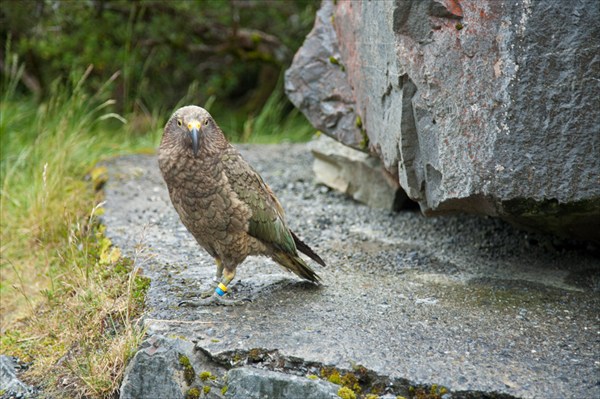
194 136
194 129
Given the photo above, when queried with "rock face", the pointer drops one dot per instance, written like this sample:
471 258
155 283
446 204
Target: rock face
488 107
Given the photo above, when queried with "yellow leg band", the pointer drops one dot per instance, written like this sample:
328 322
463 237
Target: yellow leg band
221 289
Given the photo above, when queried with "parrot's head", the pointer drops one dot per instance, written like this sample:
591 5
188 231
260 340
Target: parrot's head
192 127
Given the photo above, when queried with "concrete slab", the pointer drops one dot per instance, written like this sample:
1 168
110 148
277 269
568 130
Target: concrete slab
465 302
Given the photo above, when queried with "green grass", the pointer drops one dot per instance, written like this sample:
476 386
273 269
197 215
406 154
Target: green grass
69 300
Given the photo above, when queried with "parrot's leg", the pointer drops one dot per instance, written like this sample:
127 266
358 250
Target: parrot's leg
211 290
216 295
219 270
226 277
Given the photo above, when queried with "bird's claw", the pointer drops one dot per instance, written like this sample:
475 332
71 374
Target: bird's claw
204 294
214 300
189 304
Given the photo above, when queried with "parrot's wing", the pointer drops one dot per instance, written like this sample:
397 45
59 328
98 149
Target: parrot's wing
267 221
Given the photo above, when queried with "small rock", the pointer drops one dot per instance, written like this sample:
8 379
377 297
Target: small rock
356 174
10 385
426 301
252 383
155 370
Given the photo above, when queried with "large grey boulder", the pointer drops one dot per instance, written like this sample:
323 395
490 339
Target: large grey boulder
488 106
317 82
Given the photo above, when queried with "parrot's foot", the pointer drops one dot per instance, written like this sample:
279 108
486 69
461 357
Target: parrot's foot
207 294
214 300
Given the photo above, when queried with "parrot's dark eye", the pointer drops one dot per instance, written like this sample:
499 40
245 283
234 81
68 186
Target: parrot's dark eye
179 123
206 122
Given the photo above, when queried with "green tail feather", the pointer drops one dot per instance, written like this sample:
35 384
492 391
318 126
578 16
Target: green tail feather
306 250
297 265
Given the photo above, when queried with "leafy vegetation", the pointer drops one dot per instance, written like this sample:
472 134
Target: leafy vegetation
86 81
166 52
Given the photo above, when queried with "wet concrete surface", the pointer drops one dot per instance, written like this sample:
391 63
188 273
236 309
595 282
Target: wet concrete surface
465 302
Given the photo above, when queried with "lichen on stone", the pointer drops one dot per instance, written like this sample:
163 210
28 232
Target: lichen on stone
346 393
364 142
206 375
358 122
192 393
434 392
331 374
188 370
349 380
337 62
